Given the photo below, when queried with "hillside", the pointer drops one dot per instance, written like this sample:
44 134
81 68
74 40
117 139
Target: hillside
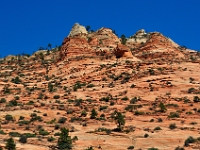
151 80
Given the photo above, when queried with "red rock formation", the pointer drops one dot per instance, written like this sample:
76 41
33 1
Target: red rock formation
158 47
75 46
122 51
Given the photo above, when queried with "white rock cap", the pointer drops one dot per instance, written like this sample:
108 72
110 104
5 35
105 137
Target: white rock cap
77 29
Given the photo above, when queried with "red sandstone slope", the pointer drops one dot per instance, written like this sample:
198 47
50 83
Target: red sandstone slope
97 72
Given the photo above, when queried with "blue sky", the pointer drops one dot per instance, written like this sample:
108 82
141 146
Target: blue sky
26 25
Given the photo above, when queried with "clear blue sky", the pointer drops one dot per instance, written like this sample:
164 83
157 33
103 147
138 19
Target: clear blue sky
25 25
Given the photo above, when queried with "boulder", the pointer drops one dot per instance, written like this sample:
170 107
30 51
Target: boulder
77 29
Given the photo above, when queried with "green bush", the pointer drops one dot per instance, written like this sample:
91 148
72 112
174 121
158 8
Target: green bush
23 139
2 132
62 120
50 139
152 148
9 118
134 100
56 96
196 99
125 98
2 100
130 148
10 144
172 126
179 148
14 134
174 115
157 128
43 132
189 140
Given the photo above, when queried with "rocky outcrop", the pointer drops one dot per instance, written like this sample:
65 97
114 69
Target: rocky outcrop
103 42
77 29
122 51
75 47
139 37
158 47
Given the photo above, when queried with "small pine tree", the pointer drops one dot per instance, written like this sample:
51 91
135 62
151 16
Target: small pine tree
120 121
162 107
64 141
10 144
123 39
93 114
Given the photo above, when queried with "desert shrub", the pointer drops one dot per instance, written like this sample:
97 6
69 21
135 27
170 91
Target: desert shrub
157 128
139 112
146 135
78 102
102 108
57 126
89 148
172 126
14 134
56 96
193 123
189 140
108 131
12 103
29 135
16 80
160 120
125 98
22 122
9 118
152 148
78 85
75 138
30 102
50 139
130 148
62 120
174 115
129 108
2 132
90 85
23 139
196 99
43 132
70 111
106 99
134 100
35 117
179 148
152 120
75 119
191 90
132 86
84 113
2 100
